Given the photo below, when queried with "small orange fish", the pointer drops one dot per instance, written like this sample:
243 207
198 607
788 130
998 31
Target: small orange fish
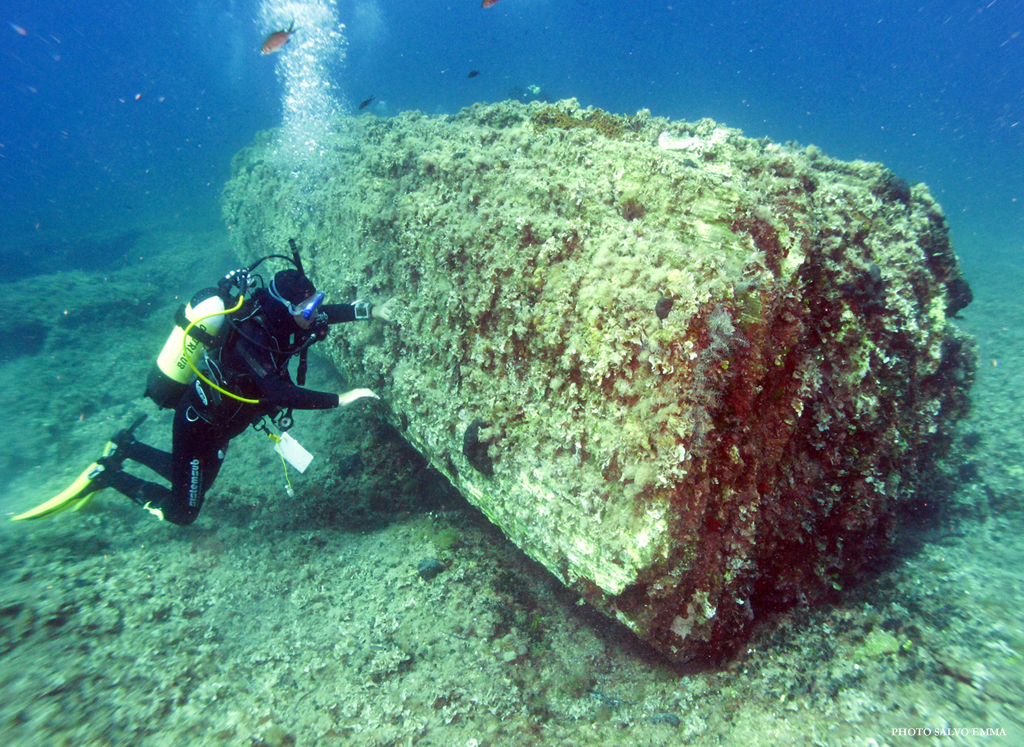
278 39
488 3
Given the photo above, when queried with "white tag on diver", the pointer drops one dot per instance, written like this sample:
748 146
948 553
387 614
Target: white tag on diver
293 452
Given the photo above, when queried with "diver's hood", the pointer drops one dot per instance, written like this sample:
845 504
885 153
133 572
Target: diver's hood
276 318
291 287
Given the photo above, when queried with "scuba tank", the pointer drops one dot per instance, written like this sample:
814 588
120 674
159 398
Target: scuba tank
170 375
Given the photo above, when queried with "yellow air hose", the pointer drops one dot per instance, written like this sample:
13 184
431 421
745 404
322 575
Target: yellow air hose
225 392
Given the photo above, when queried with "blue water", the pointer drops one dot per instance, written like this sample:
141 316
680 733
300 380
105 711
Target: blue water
120 113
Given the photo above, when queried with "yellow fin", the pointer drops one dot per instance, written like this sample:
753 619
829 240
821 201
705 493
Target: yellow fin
66 498
85 499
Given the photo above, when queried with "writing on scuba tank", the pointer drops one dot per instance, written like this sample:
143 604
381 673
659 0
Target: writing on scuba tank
189 349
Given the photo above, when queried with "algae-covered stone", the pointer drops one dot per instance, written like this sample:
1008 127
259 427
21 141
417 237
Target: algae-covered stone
691 373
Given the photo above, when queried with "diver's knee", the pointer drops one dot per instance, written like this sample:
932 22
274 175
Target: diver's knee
181 519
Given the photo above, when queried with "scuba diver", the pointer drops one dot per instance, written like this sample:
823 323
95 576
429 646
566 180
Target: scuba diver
247 344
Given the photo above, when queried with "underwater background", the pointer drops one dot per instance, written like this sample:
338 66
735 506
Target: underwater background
303 620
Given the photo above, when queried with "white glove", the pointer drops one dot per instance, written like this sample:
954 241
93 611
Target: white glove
351 396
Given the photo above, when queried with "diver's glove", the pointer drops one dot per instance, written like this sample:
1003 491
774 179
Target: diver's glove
352 395
385 312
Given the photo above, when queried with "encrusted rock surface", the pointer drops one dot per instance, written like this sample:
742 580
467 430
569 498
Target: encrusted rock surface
693 374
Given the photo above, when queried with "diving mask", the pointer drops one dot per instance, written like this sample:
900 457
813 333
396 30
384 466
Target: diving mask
308 307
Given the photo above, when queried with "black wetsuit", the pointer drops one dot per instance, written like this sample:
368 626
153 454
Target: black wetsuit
252 363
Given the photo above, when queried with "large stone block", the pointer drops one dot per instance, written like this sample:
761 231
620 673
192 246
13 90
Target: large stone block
693 374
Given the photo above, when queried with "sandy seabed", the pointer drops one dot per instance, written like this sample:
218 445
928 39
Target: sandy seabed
310 620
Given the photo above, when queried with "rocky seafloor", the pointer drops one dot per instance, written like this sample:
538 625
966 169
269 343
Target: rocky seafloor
316 620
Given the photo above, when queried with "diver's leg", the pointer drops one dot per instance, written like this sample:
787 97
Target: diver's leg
149 495
191 468
123 445
196 459
156 459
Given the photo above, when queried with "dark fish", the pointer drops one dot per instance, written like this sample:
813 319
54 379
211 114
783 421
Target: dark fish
488 3
365 103
278 39
473 73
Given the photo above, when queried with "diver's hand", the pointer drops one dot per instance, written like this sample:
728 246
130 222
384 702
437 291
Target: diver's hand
351 396
385 311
